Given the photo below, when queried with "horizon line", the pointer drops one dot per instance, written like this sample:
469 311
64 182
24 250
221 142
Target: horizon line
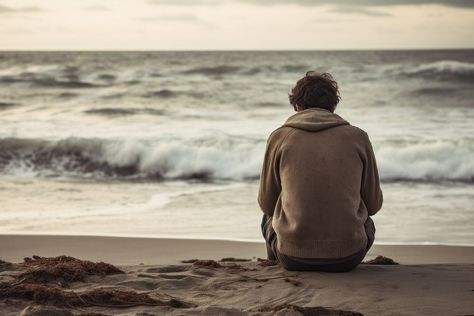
235 50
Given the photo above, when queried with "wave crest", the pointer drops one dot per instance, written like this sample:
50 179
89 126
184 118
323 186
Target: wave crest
444 69
154 160
219 158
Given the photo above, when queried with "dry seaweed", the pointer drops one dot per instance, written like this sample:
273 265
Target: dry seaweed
238 268
309 311
207 263
381 260
232 259
4 265
266 263
214 264
50 295
63 269
35 284
189 260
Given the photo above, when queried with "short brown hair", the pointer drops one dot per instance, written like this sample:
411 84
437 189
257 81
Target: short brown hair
315 90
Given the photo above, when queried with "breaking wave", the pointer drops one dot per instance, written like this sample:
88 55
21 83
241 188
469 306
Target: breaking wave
429 161
220 158
128 159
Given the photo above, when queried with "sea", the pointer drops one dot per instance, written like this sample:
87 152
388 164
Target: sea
170 144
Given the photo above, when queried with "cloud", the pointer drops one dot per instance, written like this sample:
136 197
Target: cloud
360 10
338 3
167 18
187 2
365 3
96 8
181 18
5 9
185 17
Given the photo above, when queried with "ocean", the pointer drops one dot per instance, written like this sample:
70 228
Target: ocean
170 144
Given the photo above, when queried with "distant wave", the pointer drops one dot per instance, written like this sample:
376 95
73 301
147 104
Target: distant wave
248 71
49 82
444 69
218 158
124 111
212 71
434 91
55 77
170 94
7 105
107 77
163 93
77 78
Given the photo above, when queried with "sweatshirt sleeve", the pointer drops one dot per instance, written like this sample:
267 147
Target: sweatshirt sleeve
370 190
270 186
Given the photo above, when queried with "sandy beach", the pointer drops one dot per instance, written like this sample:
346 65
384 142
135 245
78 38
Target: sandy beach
430 280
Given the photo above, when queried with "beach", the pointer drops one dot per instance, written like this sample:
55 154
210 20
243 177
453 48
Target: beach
429 279
150 150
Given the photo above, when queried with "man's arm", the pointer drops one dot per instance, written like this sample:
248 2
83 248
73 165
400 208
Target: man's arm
370 189
270 186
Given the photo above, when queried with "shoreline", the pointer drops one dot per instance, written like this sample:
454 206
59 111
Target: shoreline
147 250
242 240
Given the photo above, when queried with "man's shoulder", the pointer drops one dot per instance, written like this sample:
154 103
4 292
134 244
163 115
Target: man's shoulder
351 131
278 136
356 131
280 133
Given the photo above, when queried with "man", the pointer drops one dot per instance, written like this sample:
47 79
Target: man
319 184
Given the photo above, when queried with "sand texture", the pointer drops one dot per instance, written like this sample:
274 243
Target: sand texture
68 286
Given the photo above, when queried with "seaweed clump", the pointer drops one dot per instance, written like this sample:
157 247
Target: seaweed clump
227 263
63 269
309 311
43 278
4 265
381 260
207 263
232 259
48 295
267 263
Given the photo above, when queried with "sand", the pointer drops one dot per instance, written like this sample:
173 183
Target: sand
430 280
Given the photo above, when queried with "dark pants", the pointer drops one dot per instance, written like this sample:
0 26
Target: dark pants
312 264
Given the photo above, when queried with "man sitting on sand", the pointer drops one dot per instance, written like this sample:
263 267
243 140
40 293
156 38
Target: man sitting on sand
319 184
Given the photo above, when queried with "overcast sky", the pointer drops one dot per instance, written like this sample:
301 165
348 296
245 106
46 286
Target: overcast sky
234 24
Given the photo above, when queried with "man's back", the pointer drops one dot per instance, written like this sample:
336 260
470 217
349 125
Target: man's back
319 182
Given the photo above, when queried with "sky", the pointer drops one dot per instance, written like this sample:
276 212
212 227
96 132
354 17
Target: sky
235 24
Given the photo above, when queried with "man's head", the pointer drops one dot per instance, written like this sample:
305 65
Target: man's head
315 90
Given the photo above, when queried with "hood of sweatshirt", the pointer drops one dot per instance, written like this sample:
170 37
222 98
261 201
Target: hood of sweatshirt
315 120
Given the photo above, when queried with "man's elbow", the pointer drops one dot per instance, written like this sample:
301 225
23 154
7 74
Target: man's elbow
264 207
376 204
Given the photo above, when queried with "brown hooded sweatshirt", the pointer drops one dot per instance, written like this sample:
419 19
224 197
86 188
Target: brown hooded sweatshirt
319 182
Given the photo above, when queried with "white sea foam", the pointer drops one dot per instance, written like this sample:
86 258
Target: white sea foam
435 160
221 157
